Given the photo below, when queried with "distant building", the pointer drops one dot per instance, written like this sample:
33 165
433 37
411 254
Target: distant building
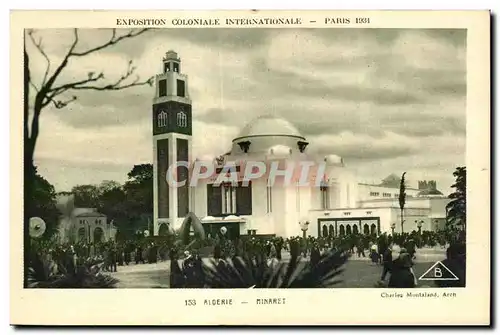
428 188
82 224
339 205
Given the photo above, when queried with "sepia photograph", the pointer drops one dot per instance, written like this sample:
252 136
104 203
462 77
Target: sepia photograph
306 160
239 153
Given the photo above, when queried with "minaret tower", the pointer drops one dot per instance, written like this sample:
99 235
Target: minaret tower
172 131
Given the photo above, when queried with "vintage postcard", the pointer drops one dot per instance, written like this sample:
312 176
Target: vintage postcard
250 168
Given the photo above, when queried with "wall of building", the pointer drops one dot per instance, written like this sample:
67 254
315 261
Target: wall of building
261 220
94 222
370 192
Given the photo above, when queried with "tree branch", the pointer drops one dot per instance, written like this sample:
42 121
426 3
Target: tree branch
33 85
38 45
51 93
113 40
59 104
63 88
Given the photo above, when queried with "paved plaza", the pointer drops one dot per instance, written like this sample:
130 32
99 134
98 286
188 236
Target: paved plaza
358 272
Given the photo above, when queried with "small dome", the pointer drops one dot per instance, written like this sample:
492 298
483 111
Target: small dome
333 159
171 54
279 151
269 126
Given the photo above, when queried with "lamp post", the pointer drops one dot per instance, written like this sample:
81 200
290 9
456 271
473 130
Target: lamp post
304 225
223 230
393 226
419 226
138 234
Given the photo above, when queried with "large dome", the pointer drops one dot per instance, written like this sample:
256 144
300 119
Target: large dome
269 126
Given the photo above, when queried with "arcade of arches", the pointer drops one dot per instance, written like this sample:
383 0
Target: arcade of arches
333 227
98 235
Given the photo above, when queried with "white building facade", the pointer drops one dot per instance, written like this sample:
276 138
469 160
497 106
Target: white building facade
82 225
333 203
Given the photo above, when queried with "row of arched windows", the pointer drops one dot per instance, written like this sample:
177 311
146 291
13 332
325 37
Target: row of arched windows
182 119
98 235
342 230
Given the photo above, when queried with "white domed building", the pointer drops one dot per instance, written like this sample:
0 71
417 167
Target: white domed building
334 202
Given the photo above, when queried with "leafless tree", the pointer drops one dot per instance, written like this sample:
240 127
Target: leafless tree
50 92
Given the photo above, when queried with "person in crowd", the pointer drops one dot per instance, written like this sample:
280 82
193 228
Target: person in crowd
382 246
360 249
127 257
387 262
272 251
199 274
411 247
268 248
119 254
150 253
279 246
315 254
190 270
294 248
112 258
374 255
176 275
138 255
106 258
402 275
71 260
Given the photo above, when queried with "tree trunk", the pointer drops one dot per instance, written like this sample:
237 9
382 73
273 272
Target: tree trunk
402 222
28 172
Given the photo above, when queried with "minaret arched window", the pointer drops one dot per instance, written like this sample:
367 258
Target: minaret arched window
325 195
269 198
162 119
182 119
228 198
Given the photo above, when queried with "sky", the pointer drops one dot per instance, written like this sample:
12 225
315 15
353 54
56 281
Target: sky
386 100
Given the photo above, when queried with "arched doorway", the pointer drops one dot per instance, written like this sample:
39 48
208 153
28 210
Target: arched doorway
341 230
325 231
163 230
331 231
348 229
366 229
373 229
98 235
355 229
81 234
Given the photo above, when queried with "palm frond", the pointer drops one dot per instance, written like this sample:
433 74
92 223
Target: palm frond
243 272
49 274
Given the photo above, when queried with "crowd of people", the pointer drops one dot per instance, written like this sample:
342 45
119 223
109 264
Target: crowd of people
395 253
